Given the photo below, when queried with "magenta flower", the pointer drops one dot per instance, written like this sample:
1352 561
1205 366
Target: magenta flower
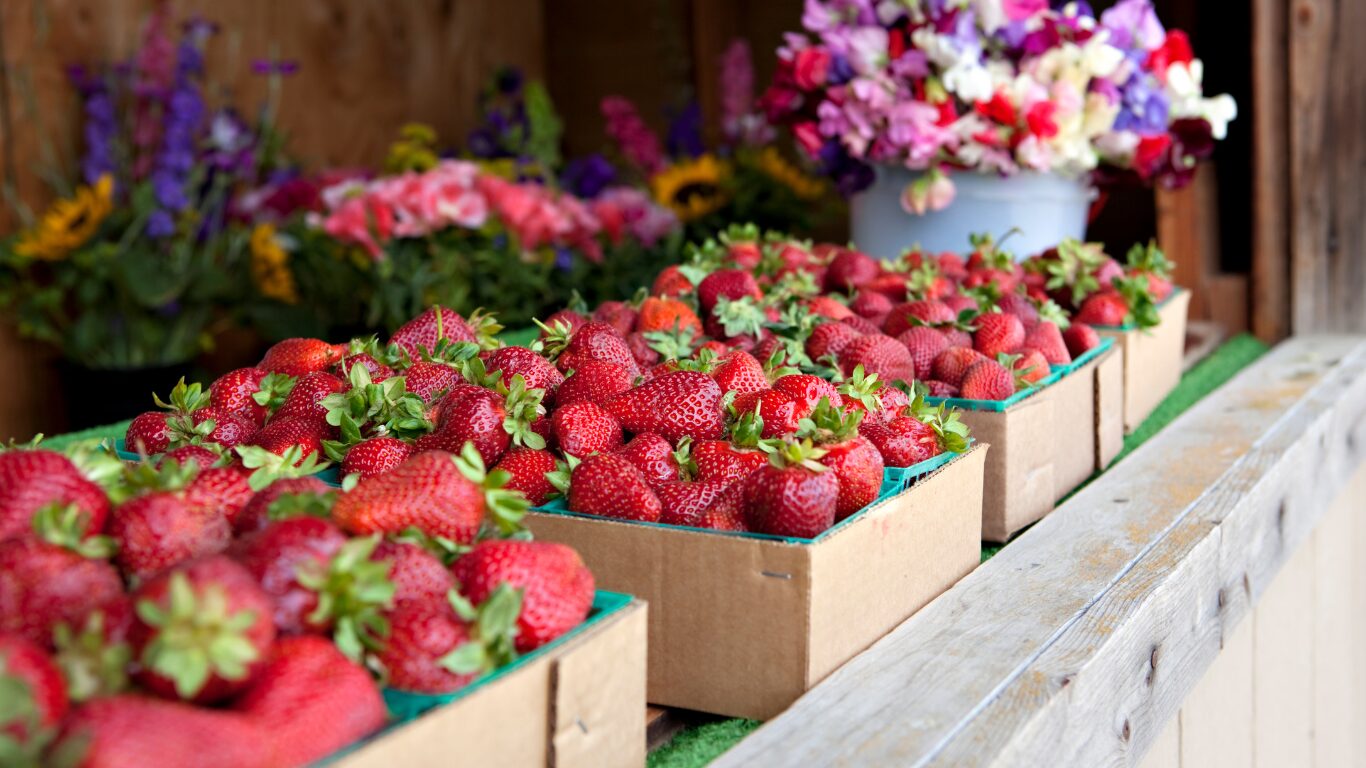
633 137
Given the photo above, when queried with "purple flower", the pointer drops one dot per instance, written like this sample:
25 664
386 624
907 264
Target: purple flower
282 67
231 143
1133 25
101 128
588 176
564 259
685 132
1143 106
160 224
180 126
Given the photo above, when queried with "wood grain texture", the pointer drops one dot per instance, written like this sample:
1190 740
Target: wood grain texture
1270 172
1078 643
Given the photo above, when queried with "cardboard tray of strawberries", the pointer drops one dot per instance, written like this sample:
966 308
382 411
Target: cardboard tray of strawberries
1152 357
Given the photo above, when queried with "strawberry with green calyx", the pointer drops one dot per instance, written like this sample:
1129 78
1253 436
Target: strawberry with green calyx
609 485
66 526
926 282
161 527
797 284
301 356
236 392
419 566
268 467
43 584
1030 367
1139 299
950 431
273 390
733 458
352 590
313 581
792 495
157 431
31 479
201 631
442 648
306 398
775 410
734 318
33 701
555 586
95 655
854 459
485 328
740 372
1149 263
536 371
808 390
373 409
429 327
673 344
1072 269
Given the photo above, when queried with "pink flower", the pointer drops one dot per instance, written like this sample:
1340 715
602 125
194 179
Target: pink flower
808 135
810 68
1019 10
360 221
627 210
932 191
633 137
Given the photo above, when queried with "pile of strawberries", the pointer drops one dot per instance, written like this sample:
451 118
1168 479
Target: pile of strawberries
210 613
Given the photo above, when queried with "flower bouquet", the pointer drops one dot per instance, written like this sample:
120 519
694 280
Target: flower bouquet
1040 100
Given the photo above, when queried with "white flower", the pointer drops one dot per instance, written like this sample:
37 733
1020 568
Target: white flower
991 14
1219 112
968 81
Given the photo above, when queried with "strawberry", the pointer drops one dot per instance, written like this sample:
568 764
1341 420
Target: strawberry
311 701
224 490
424 331
611 486
862 325
671 282
417 574
998 333
157 431
556 587
191 455
43 584
720 460
527 469
429 380
36 699
850 269
912 313
594 381
724 513
536 371
1104 308
890 285
280 435
135 731
829 339
807 390
375 456
776 411
867 394
936 388
1018 305
959 303
278 499
618 314
159 529
202 630
879 354
305 400
487 420
440 494
853 459
740 372
378 371
828 307
733 284
1080 339
418 655
674 405
924 344
903 441
297 357
278 557
582 429
228 429
643 350
871 305
1048 340
251 392
792 495
662 314
653 456
683 502
33 479
1031 366
950 365
745 255
987 380
594 341
571 320
149 433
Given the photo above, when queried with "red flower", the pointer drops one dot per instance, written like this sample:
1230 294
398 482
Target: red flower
1151 155
948 113
999 109
1176 49
896 44
810 68
1039 118
809 136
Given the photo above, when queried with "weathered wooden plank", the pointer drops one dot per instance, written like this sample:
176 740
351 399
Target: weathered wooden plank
1336 650
1270 170
1283 665
1216 718
1120 597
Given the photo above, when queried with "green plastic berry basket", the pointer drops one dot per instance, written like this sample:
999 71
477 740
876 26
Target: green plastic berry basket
894 481
1057 373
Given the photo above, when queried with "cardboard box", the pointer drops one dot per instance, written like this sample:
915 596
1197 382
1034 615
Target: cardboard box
743 624
579 703
1048 442
1152 358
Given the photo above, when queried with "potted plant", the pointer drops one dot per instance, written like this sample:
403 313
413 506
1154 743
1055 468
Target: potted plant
940 116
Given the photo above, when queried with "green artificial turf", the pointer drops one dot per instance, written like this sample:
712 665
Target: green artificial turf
701 745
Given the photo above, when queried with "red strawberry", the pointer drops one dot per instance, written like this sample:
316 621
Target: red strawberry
278 557
1046 338
777 410
33 479
644 354
43 585
611 486
595 341
924 344
829 339
671 282
740 372
378 371
582 429
305 399
229 429
879 354
375 456
674 405
903 441
872 305
571 320
186 455
297 357
828 307
149 433
683 502
858 465
1106 308
305 433
160 529
311 701
225 490
236 391
479 417
282 496
424 331
1016 304
849 270
416 655
417 575
1080 338
536 371
594 381
923 312
202 631
892 285
953 362
998 333
747 255
1031 366
667 315
428 380
653 456
941 389
527 469
618 314
134 731
731 284
437 493
958 303
724 514
957 337
987 380
38 692
808 391
862 325
719 460
556 587
792 495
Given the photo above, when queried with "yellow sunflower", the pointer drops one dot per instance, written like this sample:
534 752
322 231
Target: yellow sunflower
772 163
68 223
270 266
413 150
692 188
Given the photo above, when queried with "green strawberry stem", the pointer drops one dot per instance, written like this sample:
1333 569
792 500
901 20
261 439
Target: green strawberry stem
493 633
197 636
275 387
353 593
506 508
797 453
268 467
65 526
522 406
90 664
